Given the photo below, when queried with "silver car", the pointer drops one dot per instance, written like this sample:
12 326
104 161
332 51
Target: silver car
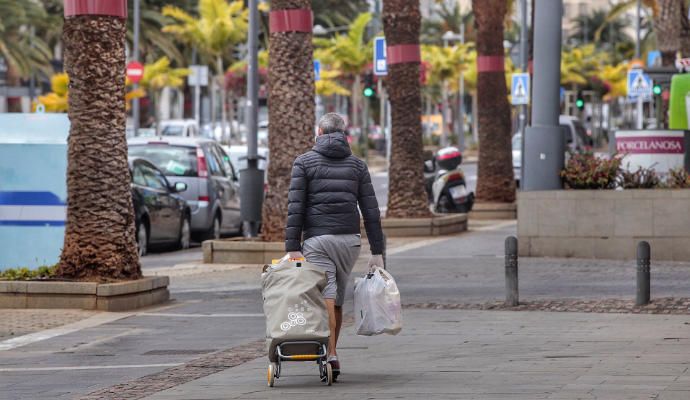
212 183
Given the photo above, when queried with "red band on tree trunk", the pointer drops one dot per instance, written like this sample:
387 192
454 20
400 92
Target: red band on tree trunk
296 20
403 53
530 66
490 64
115 8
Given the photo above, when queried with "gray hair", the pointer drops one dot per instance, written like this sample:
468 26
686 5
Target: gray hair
330 123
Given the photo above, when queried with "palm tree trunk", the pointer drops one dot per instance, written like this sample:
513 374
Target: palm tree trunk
667 27
290 115
406 197
495 181
99 236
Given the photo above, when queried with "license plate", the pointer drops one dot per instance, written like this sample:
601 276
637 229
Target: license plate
457 192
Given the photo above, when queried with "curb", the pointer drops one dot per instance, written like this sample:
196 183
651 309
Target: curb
197 268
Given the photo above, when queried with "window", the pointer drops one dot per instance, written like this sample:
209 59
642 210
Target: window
172 160
214 164
154 179
227 164
138 177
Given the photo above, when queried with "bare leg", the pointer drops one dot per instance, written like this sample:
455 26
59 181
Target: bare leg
333 326
338 323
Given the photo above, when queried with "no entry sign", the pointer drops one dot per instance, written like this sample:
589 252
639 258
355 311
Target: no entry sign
135 71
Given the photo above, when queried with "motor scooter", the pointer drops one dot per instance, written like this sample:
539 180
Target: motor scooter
445 182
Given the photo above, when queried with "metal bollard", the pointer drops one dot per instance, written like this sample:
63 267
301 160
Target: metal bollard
644 254
512 295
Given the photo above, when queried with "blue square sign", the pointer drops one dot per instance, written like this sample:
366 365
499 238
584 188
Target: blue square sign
519 92
380 66
639 84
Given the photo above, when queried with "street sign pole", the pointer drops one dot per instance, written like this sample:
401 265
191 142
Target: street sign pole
461 98
522 118
135 56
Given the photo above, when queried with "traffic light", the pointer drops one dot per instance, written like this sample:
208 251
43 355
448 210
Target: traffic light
369 86
580 102
657 89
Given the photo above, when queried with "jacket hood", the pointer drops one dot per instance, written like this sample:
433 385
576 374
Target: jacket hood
333 145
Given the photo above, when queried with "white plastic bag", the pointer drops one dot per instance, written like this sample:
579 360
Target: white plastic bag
377 304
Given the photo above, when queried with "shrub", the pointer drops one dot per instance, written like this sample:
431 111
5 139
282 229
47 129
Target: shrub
586 171
678 178
18 274
643 178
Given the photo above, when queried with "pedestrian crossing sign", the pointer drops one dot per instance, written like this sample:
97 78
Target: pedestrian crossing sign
519 93
639 84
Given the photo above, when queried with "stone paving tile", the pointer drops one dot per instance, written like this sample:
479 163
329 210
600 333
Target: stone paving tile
21 322
464 354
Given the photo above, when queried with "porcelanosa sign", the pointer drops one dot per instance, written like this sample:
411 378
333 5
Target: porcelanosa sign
662 150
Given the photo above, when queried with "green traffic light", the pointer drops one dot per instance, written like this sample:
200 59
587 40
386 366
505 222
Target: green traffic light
368 92
580 103
656 89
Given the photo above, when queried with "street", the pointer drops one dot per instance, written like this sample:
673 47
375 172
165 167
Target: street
163 257
222 312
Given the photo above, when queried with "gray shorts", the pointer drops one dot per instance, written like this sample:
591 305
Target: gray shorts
336 254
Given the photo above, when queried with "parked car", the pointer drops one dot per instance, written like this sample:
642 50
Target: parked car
161 214
576 139
179 127
212 182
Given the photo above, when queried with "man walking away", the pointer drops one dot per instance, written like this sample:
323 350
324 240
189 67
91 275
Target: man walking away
327 184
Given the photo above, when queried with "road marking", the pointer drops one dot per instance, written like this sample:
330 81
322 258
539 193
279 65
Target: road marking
87 367
449 257
199 315
90 322
494 227
415 245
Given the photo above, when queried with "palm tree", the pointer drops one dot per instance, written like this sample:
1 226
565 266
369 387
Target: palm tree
448 18
337 12
99 242
349 53
24 53
495 181
406 198
290 114
220 26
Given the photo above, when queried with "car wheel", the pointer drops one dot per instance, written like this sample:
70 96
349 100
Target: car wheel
142 239
185 233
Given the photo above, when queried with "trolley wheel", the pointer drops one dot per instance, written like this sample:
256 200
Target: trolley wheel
271 374
329 373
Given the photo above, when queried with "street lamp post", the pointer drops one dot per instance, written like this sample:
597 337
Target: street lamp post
135 57
252 178
447 37
544 140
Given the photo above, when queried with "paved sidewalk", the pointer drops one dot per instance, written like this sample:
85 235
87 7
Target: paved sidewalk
21 322
444 354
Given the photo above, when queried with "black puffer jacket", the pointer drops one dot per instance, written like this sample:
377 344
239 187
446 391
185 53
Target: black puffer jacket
327 184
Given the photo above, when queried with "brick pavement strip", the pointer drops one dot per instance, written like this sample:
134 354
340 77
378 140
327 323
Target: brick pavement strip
15 322
171 377
665 305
